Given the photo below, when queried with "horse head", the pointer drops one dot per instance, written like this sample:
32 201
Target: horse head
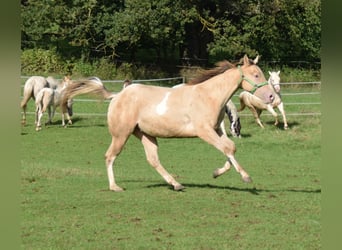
274 80
254 81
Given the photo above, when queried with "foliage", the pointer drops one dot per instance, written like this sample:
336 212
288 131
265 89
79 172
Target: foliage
172 31
40 61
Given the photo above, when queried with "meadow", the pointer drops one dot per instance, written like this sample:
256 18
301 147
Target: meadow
66 204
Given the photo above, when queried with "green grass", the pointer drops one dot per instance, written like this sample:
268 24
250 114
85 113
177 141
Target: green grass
65 202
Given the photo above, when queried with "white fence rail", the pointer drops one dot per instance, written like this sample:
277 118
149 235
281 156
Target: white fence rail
181 79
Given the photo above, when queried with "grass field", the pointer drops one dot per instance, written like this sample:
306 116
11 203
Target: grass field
65 202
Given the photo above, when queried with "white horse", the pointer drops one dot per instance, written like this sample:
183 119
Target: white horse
49 97
31 88
256 105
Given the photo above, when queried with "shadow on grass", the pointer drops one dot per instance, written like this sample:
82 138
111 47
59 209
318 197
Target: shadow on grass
254 190
281 124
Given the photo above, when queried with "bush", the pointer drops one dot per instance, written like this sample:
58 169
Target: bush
40 61
82 69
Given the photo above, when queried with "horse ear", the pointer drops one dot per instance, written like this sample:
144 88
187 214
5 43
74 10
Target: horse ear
245 60
269 72
255 61
278 72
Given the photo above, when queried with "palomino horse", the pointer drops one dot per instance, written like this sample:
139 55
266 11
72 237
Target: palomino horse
31 88
230 110
256 105
47 98
196 110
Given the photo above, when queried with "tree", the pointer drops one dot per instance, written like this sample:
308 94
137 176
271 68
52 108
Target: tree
166 31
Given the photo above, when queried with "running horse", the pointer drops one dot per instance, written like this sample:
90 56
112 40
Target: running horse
196 110
257 105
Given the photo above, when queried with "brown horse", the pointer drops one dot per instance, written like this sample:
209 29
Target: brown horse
195 110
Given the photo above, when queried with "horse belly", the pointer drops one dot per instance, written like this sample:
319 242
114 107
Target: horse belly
165 126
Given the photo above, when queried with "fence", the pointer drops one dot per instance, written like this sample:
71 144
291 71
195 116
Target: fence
181 80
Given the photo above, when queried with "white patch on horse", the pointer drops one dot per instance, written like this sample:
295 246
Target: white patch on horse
162 106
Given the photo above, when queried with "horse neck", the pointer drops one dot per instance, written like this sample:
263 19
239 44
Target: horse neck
272 84
226 85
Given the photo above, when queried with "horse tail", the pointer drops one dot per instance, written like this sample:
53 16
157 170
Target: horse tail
47 98
92 86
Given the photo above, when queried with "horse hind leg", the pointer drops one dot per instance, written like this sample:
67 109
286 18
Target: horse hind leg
112 152
39 115
151 150
23 106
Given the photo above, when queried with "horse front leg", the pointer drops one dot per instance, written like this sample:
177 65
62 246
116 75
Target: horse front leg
65 110
227 147
275 115
282 111
69 119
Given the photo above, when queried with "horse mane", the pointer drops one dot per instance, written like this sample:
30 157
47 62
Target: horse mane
204 75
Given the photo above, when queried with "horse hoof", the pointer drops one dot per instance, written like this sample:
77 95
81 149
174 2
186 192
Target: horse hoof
178 187
247 179
38 128
116 189
216 173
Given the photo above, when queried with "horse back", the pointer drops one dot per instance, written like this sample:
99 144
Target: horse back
33 85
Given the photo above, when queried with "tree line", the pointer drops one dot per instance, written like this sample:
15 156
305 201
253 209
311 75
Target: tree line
190 32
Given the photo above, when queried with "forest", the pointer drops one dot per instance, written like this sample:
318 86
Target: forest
167 33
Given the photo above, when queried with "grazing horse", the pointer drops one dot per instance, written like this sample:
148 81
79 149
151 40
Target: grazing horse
256 105
196 110
31 88
47 98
